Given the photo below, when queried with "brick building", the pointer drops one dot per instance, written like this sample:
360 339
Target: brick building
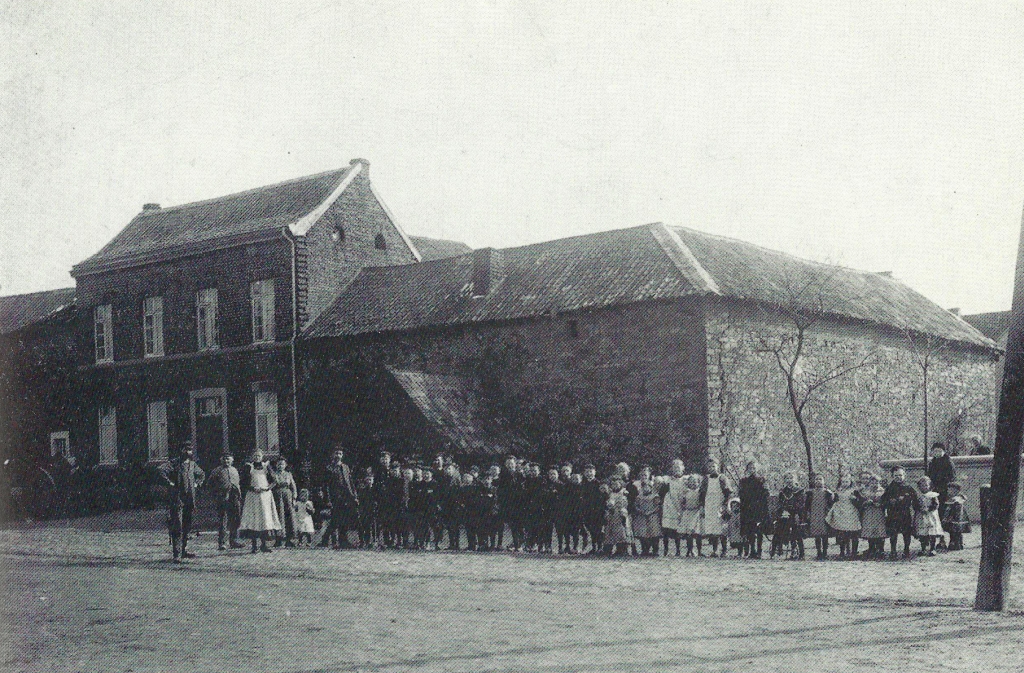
187 319
641 344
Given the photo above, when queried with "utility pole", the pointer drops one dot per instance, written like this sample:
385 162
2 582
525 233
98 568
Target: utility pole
997 538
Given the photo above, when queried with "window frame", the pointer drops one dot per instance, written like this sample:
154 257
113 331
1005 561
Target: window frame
262 294
163 436
207 335
103 327
61 435
264 411
153 319
112 415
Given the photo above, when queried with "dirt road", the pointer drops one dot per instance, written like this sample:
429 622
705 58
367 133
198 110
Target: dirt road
87 600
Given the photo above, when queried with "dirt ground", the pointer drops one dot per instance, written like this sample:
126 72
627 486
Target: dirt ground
101 595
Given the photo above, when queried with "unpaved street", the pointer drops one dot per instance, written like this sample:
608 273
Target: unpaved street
107 599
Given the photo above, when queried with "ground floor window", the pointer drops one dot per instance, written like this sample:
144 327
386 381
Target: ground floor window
156 421
60 444
266 423
108 435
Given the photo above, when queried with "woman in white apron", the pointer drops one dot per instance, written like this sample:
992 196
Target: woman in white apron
259 513
716 495
671 490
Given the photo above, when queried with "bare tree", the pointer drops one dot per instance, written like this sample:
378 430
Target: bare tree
924 349
805 305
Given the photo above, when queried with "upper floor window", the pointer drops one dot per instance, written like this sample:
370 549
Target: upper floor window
104 333
108 435
153 326
263 311
206 318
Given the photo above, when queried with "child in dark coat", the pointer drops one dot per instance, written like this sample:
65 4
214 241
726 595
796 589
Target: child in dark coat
898 501
647 518
955 519
789 515
367 521
753 509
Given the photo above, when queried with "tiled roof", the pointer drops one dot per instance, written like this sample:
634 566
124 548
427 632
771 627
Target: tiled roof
262 210
438 248
450 405
20 310
994 325
623 266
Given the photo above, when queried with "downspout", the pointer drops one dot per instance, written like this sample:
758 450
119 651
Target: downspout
294 336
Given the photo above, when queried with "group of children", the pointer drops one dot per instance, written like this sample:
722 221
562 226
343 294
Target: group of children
414 506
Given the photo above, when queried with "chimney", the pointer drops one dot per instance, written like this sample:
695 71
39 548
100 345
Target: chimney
955 311
884 274
488 270
148 207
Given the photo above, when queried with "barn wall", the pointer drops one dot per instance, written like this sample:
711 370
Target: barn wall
872 414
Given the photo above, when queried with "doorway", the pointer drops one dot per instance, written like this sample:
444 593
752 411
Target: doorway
208 410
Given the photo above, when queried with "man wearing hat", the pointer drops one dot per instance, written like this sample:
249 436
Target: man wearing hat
227 492
344 501
182 478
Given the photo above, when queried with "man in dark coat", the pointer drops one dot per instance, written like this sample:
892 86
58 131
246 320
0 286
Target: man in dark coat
509 485
344 501
182 478
593 507
381 497
227 491
941 470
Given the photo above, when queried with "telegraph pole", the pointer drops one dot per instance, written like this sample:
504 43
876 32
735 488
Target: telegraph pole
997 538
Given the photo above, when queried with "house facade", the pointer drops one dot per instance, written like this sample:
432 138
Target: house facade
187 319
647 344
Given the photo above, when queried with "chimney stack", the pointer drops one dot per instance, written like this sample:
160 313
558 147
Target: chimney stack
488 270
955 311
147 207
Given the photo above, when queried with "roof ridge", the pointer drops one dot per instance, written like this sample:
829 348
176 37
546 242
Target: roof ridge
683 258
233 195
27 294
790 255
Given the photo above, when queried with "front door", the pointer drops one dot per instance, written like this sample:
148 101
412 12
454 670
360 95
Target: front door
209 426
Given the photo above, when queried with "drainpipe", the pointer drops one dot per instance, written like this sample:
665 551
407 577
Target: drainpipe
294 336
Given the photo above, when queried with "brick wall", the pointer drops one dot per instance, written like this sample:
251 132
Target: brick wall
231 271
332 264
617 383
871 414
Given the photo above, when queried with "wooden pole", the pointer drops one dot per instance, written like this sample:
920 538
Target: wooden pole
997 535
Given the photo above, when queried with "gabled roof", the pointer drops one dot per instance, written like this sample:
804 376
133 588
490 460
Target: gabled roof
20 310
251 214
623 266
450 405
438 248
994 325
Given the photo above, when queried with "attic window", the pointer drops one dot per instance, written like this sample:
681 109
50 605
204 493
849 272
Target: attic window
338 234
380 242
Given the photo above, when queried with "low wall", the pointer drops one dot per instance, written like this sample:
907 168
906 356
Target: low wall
972 472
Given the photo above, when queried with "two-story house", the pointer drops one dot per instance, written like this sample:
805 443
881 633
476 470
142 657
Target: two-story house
188 317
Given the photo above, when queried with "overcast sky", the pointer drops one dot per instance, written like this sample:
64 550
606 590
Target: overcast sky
876 135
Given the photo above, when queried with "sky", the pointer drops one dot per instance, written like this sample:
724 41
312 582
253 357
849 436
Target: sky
885 136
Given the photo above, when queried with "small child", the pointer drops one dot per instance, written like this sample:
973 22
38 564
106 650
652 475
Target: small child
872 515
647 518
926 516
366 513
691 516
844 518
617 525
955 519
817 507
898 501
732 526
304 511
789 518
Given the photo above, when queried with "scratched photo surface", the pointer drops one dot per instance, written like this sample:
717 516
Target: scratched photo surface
511 336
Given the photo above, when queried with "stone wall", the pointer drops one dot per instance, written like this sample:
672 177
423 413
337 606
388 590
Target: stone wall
873 413
605 384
